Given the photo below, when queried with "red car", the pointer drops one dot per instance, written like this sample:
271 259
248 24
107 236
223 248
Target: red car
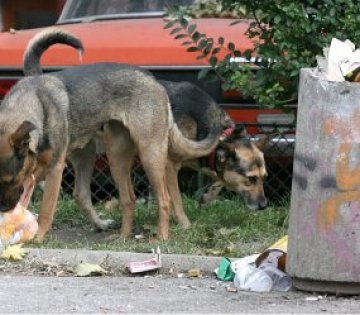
133 32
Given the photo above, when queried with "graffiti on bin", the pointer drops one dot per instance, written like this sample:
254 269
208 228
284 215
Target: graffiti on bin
347 176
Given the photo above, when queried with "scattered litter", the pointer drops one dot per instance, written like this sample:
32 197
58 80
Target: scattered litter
62 273
19 225
259 272
143 266
251 278
88 270
147 265
194 272
213 287
231 288
314 298
224 272
340 62
181 275
14 252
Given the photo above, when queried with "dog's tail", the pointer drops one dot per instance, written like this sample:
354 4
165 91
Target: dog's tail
189 149
41 42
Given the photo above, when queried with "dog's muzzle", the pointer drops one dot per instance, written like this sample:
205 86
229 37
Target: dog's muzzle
11 204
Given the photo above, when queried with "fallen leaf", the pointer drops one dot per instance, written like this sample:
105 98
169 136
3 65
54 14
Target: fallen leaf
231 288
14 252
87 270
194 272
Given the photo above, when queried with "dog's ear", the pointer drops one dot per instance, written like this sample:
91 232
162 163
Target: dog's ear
224 151
264 141
240 131
20 139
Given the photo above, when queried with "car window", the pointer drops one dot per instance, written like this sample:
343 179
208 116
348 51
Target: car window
79 9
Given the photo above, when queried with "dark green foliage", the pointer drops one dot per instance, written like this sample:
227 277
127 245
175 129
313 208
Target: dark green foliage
289 34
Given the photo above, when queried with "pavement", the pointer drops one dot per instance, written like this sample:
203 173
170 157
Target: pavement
116 260
34 292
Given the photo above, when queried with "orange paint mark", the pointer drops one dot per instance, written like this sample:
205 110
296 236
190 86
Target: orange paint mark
329 126
347 179
328 213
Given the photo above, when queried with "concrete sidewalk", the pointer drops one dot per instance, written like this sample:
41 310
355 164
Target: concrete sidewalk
117 260
157 293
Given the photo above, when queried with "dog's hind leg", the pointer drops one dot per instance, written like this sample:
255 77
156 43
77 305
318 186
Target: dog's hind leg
83 161
153 156
120 150
175 195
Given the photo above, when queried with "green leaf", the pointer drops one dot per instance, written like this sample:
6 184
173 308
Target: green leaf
192 49
191 28
86 270
202 44
170 24
225 86
200 57
195 36
221 41
235 22
176 30
184 22
215 51
277 19
179 36
213 61
187 43
237 53
231 46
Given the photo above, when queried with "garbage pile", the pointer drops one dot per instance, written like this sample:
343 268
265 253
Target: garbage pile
341 61
19 225
263 272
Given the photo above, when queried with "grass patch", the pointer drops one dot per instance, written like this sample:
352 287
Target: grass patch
225 227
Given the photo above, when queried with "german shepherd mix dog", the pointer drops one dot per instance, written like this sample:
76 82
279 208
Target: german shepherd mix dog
236 164
46 118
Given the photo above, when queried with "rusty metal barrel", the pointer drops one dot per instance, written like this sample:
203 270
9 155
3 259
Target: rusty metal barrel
324 220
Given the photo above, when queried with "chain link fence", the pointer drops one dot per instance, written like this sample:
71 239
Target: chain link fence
278 152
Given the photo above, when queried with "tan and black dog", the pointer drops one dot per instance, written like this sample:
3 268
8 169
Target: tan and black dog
46 118
237 164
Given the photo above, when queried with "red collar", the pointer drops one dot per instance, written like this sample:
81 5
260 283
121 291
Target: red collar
211 163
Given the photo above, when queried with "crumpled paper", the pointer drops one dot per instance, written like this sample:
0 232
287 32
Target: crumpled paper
341 61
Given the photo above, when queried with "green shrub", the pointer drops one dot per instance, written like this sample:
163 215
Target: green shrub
289 35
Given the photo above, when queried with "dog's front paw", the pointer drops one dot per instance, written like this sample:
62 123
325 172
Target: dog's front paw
39 238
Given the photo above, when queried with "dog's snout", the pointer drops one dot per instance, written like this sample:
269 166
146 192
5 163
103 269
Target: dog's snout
263 202
4 207
257 204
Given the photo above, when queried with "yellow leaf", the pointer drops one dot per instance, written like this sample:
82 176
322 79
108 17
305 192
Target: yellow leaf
86 270
14 252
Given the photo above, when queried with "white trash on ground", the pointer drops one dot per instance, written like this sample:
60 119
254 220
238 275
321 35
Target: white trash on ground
263 272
